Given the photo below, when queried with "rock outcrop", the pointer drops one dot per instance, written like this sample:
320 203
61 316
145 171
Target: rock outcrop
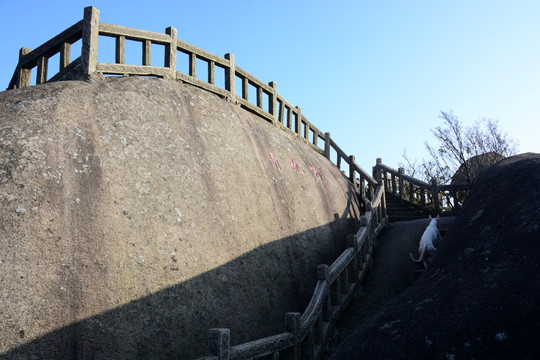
138 213
478 299
471 168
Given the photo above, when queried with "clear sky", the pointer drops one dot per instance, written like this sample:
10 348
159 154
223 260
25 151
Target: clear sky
375 74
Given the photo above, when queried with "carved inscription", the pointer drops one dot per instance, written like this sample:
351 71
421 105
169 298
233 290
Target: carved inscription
314 170
276 162
296 168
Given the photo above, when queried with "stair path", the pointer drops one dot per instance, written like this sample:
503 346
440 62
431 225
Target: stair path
400 211
392 272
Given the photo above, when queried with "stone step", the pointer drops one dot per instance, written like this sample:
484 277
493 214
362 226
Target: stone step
400 211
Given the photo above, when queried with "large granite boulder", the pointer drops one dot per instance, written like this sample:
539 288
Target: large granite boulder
136 214
471 168
478 299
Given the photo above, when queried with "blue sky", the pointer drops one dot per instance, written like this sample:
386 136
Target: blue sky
375 74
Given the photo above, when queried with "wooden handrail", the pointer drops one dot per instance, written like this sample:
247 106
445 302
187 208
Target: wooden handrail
272 110
132 34
430 198
405 177
31 58
52 47
331 296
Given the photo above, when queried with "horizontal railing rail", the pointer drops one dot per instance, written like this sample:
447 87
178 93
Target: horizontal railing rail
430 198
39 57
306 334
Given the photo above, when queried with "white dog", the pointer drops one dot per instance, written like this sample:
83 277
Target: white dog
429 242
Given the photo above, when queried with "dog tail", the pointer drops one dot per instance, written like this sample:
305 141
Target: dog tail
421 258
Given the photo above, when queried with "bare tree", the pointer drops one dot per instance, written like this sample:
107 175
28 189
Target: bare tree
412 166
460 154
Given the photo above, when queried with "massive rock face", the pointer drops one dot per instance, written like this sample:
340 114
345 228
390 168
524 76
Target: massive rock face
478 299
138 213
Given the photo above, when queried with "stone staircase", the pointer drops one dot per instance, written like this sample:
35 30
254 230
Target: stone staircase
401 211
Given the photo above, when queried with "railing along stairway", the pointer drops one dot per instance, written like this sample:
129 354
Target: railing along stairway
409 198
306 334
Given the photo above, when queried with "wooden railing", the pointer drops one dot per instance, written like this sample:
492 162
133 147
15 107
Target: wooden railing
267 103
39 57
430 198
306 334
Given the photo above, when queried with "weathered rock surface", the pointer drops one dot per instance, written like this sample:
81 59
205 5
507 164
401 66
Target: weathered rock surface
478 299
138 213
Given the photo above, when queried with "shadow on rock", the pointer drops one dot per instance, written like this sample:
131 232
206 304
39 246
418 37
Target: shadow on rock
479 296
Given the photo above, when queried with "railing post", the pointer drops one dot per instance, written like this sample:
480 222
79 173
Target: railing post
299 121
289 118
377 171
120 54
259 97
90 35
352 171
363 188
281 116
369 225
65 55
322 275
292 325
219 343
368 244
369 206
272 106
23 75
43 64
147 53
327 145
365 245
192 65
170 51
230 76
435 194
211 72
245 88
401 171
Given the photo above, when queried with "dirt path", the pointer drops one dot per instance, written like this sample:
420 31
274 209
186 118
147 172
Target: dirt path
392 272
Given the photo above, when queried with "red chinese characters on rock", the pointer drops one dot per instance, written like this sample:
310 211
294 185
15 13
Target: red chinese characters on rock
315 172
294 165
296 168
276 162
